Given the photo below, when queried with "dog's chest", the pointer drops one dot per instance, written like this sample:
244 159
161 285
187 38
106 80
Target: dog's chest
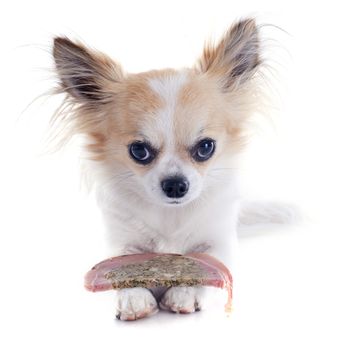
199 229
168 233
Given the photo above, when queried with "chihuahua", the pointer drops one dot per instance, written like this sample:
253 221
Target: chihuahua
162 150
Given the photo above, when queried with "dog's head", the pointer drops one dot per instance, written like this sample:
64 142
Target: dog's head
167 135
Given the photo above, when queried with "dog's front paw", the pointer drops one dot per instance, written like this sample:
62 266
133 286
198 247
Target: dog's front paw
183 300
135 303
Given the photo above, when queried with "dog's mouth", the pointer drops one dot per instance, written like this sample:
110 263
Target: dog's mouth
176 202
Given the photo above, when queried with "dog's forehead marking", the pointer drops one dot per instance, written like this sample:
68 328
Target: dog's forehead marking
168 88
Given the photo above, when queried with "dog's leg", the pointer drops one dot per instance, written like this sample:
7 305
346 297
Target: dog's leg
183 300
135 303
186 300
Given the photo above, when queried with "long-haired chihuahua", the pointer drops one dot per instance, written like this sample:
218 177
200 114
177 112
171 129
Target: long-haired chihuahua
163 149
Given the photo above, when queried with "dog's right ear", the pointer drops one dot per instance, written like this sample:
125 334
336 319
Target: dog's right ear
86 75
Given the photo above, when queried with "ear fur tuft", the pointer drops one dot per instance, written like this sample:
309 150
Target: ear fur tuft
85 74
235 58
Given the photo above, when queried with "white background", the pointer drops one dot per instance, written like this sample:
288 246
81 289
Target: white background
292 290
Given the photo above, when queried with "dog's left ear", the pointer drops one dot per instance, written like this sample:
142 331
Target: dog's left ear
236 57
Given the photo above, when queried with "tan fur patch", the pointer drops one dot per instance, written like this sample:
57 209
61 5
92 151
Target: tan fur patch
96 146
136 104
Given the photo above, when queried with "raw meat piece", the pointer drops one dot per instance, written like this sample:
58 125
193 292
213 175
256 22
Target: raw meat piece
159 270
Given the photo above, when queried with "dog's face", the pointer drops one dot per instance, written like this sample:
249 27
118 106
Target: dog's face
168 133
171 133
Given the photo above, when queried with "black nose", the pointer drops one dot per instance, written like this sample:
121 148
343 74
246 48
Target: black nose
175 187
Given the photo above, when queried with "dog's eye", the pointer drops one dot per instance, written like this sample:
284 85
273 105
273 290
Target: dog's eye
141 152
203 150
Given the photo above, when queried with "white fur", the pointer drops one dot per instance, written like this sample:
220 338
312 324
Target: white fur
136 225
134 303
168 88
258 213
182 299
